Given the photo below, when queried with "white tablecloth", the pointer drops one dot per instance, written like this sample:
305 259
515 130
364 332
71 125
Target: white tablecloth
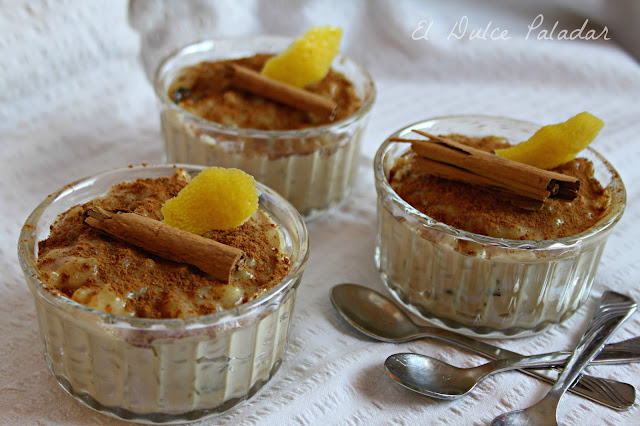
75 100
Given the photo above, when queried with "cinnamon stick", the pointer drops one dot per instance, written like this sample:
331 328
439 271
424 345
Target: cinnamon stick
446 171
254 82
168 242
526 186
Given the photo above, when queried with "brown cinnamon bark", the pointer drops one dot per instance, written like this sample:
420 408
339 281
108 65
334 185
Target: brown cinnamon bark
524 185
254 82
168 242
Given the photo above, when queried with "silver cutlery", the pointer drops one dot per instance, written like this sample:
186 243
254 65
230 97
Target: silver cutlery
379 318
613 310
438 379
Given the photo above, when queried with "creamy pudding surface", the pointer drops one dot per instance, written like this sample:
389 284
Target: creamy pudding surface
485 212
202 90
113 276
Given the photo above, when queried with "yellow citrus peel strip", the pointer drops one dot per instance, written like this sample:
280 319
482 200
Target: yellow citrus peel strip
307 59
556 144
217 198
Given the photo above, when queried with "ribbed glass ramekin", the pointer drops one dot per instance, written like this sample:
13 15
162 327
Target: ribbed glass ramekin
479 285
155 370
313 168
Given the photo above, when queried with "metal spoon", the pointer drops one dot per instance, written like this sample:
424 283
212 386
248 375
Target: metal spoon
379 318
614 309
438 379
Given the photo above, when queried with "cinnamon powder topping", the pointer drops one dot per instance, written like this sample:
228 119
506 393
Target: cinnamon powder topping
204 90
109 274
485 212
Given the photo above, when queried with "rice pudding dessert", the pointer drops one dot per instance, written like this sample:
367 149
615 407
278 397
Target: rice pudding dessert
203 90
309 158
111 275
143 338
486 212
466 258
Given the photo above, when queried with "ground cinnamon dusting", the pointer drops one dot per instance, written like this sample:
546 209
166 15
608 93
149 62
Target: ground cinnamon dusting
202 90
485 212
147 285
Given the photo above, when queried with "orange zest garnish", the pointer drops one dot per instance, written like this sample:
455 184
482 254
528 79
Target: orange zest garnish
217 198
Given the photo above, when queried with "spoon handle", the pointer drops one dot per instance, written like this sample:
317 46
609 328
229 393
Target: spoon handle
611 393
619 353
614 309
622 352
547 360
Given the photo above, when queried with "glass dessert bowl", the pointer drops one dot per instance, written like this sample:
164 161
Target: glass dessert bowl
162 370
477 284
312 167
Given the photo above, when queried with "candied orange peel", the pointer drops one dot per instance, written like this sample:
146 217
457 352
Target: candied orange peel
556 144
217 198
307 59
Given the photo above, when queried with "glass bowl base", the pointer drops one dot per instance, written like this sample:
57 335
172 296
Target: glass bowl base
163 418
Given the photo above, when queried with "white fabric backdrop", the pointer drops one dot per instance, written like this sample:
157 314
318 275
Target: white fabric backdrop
74 100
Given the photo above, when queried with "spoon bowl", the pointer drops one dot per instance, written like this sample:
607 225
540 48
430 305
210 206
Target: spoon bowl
437 379
373 314
429 376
